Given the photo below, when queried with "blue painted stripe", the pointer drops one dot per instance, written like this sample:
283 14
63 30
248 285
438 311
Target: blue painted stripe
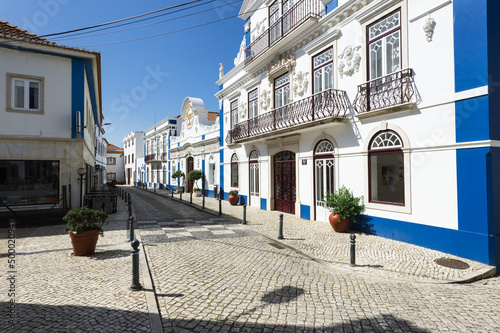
203 171
472 119
305 212
470 43
77 96
263 203
464 244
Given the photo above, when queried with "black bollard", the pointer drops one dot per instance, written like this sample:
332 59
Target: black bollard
129 202
203 200
172 193
136 285
191 197
129 208
125 196
180 197
280 231
131 228
244 214
220 203
353 250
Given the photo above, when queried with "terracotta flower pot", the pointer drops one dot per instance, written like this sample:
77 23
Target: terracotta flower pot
338 223
233 199
84 244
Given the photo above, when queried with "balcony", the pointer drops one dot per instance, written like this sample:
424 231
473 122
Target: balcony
150 158
329 105
394 91
298 14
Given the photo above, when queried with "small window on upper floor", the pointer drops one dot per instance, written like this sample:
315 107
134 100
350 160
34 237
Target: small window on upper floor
234 113
25 93
323 71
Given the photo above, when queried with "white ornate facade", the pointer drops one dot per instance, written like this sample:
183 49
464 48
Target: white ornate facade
384 97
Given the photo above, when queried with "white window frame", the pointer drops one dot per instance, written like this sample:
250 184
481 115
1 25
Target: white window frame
320 69
234 113
27 79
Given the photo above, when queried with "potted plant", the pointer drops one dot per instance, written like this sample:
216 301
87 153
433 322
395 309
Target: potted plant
194 176
84 225
344 207
177 175
233 197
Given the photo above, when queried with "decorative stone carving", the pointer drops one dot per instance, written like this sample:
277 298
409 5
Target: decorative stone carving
221 71
241 54
259 29
281 62
220 103
242 108
300 83
350 61
265 99
429 26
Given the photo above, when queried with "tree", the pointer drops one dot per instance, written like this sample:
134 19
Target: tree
177 175
194 176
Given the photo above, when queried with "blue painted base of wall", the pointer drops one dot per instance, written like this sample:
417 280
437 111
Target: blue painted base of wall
243 199
474 246
305 212
209 193
263 204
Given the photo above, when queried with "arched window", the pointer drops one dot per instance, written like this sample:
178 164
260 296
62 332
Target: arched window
386 169
234 170
254 173
324 171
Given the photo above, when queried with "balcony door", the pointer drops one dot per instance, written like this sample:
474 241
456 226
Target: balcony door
284 182
324 177
254 179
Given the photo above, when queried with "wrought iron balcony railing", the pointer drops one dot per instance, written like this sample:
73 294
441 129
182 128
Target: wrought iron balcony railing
327 104
294 17
164 156
387 91
150 158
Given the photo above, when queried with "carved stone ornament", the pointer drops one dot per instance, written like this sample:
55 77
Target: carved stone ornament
350 61
265 99
220 103
301 83
429 26
281 62
221 71
241 53
242 108
259 29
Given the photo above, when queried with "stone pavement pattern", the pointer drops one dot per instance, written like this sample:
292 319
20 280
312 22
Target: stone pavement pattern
246 282
57 292
374 255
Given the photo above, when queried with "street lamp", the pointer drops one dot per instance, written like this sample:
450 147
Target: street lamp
81 172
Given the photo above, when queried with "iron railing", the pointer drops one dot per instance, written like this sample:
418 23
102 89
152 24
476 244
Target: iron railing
327 104
294 17
387 91
150 158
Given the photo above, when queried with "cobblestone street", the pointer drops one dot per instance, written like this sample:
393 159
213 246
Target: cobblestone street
213 274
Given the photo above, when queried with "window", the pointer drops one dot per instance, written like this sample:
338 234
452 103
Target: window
164 144
282 90
323 71
111 176
287 15
254 173
253 104
211 172
324 170
164 174
29 182
274 27
132 158
234 113
384 45
234 170
111 160
386 169
25 93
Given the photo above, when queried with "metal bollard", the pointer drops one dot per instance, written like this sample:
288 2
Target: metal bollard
129 208
280 231
191 197
131 228
125 196
180 197
136 285
203 200
128 197
244 214
220 203
353 250
172 193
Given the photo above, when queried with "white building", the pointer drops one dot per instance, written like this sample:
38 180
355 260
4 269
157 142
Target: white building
115 164
50 117
133 145
393 99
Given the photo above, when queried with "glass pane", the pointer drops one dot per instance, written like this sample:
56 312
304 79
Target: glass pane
18 94
328 76
376 60
34 95
234 174
318 80
387 178
286 95
256 188
278 101
392 53
384 26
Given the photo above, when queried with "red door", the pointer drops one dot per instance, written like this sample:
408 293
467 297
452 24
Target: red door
284 182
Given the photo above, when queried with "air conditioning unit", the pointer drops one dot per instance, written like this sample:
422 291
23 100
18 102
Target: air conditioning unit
78 122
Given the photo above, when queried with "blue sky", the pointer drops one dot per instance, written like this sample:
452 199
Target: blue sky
145 79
